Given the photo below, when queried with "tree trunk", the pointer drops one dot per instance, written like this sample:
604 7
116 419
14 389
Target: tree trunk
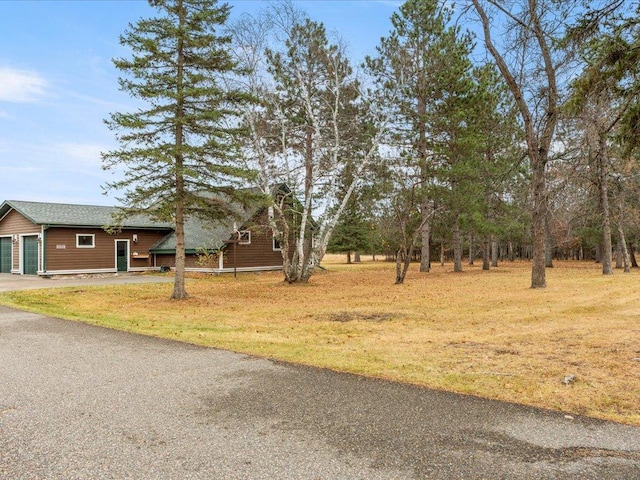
302 256
399 275
179 290
632 255
425 208
442 253
548 243
618 255
425 252
494 252
403 260
349 258
622 243
603 180
538 272
457 246
486 254
472 249
356 257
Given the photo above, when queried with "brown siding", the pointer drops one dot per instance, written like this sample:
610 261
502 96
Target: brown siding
15 224
145 241
191 261
259 253
166 260
62 253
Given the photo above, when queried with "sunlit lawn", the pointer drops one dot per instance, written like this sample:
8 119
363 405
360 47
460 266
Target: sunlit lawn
481 333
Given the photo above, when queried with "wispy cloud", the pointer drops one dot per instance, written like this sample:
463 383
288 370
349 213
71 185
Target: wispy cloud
69 157
20 86
87 153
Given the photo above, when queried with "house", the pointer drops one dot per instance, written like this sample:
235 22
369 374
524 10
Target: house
55 239
230 245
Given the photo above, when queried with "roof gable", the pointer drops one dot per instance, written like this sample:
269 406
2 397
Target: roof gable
60 214
209 235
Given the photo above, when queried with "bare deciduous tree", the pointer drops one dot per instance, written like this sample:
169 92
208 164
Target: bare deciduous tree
530 63
311 126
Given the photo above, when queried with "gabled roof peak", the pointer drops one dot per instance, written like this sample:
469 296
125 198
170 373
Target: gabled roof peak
66 214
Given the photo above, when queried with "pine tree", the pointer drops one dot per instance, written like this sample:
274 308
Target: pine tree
422 76
531 63
354 232
605 98
179 149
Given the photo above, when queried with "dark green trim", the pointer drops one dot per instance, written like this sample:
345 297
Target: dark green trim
44 249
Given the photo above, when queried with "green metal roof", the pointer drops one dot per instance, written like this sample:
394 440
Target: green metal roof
202 234
60 214
197 235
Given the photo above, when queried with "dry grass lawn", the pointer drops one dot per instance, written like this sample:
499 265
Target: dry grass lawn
480 333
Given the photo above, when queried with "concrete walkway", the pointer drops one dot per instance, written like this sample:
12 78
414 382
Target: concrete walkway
81 402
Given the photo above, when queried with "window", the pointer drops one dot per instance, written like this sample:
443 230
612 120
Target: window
85 241
244 237
277 246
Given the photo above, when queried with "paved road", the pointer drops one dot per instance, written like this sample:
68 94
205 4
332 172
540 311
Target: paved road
82 402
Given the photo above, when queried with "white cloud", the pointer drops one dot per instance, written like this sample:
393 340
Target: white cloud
20 86
87 152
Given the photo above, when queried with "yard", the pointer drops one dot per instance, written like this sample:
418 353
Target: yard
574 346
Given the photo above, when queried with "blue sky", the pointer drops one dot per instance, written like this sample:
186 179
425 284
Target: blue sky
58 84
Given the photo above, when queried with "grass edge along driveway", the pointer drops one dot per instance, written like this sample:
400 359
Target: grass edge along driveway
572 347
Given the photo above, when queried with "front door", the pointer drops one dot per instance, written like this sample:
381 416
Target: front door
5 254
122 255
30 255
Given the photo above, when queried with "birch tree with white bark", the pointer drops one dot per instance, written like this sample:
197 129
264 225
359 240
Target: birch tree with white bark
311 126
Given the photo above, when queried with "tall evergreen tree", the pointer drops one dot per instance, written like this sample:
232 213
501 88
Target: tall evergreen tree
406 70
605 96
178 150
497 154
353 233
422 76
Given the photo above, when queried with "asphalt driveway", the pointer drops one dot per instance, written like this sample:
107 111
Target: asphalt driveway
82 402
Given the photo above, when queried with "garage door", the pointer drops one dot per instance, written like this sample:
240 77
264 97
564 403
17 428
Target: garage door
30 255
5 255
